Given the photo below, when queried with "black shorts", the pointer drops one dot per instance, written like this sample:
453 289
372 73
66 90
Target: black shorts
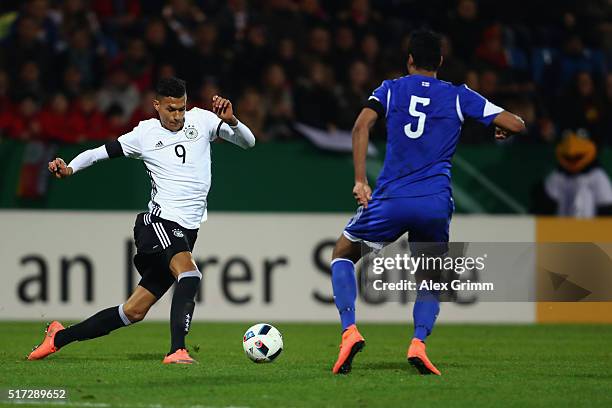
157 241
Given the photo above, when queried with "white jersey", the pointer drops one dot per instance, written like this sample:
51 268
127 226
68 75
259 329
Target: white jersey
579 195
178 164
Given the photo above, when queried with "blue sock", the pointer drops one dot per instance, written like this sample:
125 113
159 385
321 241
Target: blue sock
345 289
425 312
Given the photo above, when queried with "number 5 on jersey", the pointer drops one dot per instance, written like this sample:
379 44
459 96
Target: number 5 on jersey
421 116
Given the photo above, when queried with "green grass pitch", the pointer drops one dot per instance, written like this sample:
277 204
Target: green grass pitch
482 366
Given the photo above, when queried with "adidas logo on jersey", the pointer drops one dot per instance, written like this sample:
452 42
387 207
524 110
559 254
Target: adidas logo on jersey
159 144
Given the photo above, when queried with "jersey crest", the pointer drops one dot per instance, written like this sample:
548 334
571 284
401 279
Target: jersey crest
191 132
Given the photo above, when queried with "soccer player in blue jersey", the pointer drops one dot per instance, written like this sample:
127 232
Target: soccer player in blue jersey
413 194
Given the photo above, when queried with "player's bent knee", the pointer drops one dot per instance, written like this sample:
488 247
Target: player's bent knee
135 313
189 274
135 316
182 262
346 249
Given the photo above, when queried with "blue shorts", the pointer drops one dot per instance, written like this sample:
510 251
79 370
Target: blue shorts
425 219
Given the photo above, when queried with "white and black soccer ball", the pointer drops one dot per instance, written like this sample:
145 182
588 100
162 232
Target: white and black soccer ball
262 343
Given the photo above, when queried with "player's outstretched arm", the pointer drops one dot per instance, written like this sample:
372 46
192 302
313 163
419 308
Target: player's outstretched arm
238 133
508 124
361 137
80 162
473 105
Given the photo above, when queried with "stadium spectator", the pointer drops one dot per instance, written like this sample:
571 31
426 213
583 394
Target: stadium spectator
582 106
40 12
144 110
277 103
74 14
56 122
252 113
83 55
158 43
206 60
361 17
489 84
88 121
205 94
286 55
472 80
119 91
453 69
72 84
117 123
319 46
370 53
537 131
118 15
465 28
182 17
253 55
491 50
281 18
344 50
577 58
29 82
312 13
231 43
233 20
315 103
22 123
137 64
25 46
353 95
166 70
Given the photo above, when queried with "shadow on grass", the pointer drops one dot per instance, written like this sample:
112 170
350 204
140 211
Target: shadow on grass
145 356
405 366
386 365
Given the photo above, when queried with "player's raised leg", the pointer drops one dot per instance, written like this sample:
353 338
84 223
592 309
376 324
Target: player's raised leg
188 279
345 254
100 324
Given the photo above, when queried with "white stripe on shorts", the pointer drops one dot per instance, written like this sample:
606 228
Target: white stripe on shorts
161 235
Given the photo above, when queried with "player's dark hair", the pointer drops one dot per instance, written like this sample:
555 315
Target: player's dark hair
172 87
425 46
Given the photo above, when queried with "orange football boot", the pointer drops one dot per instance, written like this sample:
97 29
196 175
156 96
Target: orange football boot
418 358
352 343
180 356
47 346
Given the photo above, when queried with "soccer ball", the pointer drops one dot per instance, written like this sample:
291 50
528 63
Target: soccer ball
262 343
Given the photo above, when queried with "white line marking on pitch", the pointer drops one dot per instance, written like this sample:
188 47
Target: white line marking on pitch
105 405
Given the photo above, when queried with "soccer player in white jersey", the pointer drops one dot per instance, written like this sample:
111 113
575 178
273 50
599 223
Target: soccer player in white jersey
175 149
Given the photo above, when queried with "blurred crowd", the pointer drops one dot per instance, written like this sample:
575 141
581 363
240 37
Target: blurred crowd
78 70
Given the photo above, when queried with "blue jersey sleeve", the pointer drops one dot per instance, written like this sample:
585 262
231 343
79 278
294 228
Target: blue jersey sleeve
473 105
381 96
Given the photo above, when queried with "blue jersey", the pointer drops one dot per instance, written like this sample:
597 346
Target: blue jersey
424 118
